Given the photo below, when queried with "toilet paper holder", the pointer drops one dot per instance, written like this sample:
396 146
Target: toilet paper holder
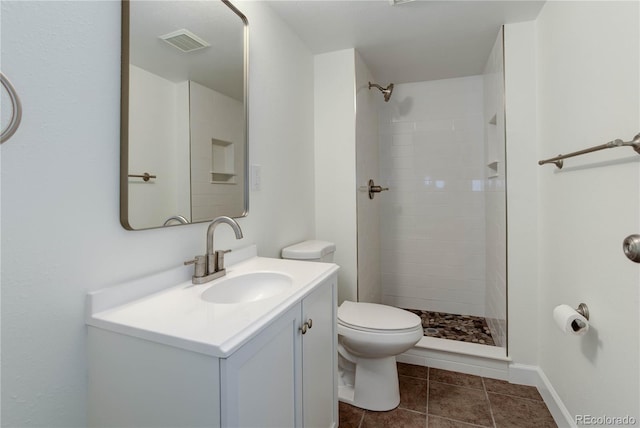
570 320
583 310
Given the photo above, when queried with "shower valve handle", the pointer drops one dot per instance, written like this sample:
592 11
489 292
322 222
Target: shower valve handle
375 189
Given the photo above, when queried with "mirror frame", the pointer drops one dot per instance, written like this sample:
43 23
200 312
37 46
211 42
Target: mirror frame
124 116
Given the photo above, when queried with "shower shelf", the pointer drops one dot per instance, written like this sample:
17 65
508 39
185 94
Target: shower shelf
222 177
493 169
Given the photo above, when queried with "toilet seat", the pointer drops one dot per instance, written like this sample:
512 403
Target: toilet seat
375 318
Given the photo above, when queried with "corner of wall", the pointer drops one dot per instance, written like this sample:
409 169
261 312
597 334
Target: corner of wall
335 160
522 190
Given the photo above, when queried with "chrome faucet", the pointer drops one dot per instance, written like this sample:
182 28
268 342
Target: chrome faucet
211 265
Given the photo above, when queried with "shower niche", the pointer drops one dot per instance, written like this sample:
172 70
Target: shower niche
222 162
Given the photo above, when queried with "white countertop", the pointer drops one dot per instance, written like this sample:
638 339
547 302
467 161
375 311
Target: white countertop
177 316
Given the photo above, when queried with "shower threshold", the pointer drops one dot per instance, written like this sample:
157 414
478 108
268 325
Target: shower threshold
463 328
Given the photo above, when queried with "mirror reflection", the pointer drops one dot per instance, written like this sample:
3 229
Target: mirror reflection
183 151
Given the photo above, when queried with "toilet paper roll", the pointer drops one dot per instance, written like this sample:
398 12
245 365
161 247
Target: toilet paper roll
570 321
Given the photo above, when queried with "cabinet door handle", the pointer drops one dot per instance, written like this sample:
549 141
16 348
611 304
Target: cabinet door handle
306 326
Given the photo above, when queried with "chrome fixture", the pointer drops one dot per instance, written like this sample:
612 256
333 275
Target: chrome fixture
375 189
578 324
583 310
180 219
385 91
16 109
634 143
211 266
306 326
631 248
146 176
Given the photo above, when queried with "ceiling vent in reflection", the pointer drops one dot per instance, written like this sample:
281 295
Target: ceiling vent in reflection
185 40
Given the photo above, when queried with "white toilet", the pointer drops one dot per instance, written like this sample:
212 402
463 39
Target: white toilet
369 338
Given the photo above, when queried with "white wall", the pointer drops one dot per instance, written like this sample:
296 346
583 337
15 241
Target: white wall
432 159
588 86
367 166
522 192
495 195
61 236
335 160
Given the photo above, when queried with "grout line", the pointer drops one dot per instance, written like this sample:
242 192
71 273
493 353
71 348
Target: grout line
461 386
411 377
484 387
408 410
428 383
362 419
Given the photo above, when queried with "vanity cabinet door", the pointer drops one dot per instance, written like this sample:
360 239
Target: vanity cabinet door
258 382
319 358
286 376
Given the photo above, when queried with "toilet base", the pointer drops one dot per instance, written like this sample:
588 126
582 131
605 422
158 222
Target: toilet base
374 386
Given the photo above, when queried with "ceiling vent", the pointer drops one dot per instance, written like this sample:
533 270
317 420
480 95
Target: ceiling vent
185 40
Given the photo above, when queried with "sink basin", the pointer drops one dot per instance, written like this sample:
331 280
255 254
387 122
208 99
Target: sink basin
249 287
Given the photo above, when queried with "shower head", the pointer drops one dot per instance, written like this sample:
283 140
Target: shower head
385 91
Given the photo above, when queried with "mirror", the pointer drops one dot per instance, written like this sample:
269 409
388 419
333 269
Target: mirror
183 151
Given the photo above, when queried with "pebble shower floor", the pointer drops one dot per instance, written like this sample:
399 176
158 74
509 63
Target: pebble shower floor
464 328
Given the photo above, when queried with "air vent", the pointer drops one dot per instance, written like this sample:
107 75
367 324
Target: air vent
185 40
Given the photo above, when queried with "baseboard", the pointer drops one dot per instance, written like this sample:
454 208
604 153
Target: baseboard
534 376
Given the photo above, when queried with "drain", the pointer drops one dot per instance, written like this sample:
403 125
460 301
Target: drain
431 330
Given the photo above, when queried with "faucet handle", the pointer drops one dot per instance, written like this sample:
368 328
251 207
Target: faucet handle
220 259
200 266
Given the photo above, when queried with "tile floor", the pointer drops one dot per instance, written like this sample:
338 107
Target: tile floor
465 328
433 398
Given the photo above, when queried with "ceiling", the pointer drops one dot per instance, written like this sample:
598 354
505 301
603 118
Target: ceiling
219 66
411 42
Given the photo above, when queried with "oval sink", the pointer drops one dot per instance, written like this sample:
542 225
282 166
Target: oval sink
249 287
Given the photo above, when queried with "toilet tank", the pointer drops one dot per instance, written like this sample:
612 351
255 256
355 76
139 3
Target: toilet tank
310 251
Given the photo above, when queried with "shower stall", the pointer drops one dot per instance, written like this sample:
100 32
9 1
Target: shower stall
441 227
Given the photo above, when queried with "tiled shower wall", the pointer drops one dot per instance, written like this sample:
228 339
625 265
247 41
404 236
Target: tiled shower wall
214 116
433 218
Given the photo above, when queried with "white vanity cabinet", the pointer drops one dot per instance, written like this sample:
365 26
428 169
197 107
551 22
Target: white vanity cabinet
286 376
280 377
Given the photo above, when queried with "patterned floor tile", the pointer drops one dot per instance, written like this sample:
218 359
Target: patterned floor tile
455 378
459 403
515 412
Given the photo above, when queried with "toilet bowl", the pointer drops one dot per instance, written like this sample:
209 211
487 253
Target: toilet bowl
369 338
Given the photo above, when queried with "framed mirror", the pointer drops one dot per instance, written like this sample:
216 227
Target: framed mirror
183 150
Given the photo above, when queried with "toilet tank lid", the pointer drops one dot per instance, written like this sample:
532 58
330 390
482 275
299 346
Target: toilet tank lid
308 250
